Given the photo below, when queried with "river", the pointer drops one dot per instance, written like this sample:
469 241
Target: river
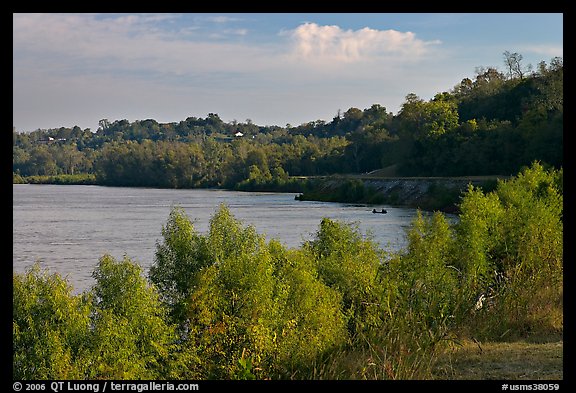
67 228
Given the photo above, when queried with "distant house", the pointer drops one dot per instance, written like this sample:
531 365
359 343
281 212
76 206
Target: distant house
238 134
46 141
50 140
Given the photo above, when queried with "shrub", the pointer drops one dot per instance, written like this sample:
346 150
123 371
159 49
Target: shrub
50 327
512 250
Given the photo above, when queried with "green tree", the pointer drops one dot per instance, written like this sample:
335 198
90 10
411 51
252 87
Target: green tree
253 309
310 321
479 232
50 327
178 260
131 336
349 264
232 310
512 252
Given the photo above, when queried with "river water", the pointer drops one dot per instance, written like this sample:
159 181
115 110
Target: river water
67 228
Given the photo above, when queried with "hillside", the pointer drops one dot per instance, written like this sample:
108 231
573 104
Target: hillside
491 125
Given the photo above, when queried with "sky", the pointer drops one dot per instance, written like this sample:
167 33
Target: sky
272 68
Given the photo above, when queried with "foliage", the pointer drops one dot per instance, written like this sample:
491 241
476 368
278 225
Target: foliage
17 179
349 264
119 330
131 335
81 178
178 261
248 308
338 189
520 242
422 299
312 321
230 305
49 327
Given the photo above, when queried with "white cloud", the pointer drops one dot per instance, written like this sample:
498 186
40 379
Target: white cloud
325 44
543 50
238 31
137 44
68 66
223 19
131 43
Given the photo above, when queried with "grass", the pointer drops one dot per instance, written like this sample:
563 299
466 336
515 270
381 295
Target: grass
539 358
470 360
80 178
519 360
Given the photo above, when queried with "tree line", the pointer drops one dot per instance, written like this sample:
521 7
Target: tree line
230 305
492 124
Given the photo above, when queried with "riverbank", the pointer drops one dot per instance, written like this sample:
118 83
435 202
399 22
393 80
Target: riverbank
426 193
79 179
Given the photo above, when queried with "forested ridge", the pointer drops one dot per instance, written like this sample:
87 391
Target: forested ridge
492 124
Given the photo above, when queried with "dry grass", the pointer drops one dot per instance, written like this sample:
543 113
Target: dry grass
518 360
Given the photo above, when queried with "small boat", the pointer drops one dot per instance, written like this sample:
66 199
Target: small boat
384 211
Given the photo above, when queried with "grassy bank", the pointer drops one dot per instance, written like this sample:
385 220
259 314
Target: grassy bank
83 178
468 359
519 360
340 189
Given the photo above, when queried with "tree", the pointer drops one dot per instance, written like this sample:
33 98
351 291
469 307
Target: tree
131 336
68 158
513 63
252 309
41 162
349 264
104 124
50 328
310 320
421 120
365 148
511 249
178 260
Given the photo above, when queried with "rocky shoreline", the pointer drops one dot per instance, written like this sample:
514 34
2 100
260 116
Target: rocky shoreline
426 193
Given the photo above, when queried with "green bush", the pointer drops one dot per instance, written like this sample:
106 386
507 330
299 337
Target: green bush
178 260
131 336
230 305
248 302
421 299
50 327
119 330
349 264
517 234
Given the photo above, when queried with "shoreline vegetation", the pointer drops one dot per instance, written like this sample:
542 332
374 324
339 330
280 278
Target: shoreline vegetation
480 298
425 193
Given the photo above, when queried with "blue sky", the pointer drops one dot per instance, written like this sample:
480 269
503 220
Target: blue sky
274 69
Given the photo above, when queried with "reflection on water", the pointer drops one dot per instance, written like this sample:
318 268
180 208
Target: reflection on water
68 228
